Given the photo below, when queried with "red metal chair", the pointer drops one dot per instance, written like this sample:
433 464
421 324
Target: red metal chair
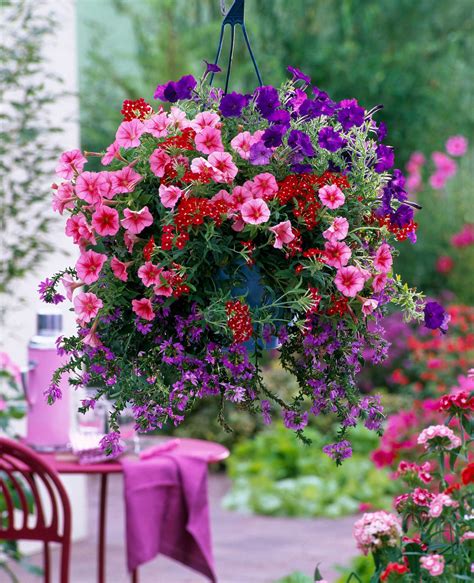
37 505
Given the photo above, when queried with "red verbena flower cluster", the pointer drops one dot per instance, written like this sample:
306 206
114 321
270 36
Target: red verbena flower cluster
239 320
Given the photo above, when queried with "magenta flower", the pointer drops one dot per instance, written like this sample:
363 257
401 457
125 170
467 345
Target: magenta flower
255 211
445 166
89 266
125 180
336 254
456 146
159 160
209 140
349 281
143 309
379 282
338 230
87 306
112 152
91 186
283 234
129 133
169 195
105 221
70 164
136 221
383 258
119 269
149 274
331 196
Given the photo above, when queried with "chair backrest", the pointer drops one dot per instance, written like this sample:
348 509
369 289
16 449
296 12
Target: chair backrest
35 504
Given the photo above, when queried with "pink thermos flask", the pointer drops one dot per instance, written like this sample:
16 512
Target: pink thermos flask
47 426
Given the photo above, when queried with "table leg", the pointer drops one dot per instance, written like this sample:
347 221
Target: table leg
102 518
135 576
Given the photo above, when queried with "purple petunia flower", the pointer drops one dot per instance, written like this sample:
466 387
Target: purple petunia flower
381 130
266 99
301 144
330 140
299 75
232 104
338 451
436 317
402 216
212 68
280 117
260 155
350 114
273 136
301 168
385 158
175 90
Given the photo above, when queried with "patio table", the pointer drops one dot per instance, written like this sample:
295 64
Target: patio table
68 463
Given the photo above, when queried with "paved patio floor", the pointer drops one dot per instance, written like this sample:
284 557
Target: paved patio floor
247 549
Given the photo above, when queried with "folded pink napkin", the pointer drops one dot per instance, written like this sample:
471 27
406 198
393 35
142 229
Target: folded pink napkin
166 509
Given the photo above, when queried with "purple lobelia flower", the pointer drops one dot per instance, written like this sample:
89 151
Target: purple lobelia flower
260 155
436 317
330 140
338 451
176 90
266 99
385 158
350 114
111 445
232 104
294 420
299 75
301 144
266 411
52 394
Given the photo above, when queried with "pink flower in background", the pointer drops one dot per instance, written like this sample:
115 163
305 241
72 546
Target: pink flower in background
70 285
128 133
3 405
438 502
456 145
383 259
255 211
112 152
331 196
143 309
369 306
414 182
89 266
158 162
105 221
169 195
149 274
87 306
70 163
209 140
336 254
438 180
63 197
157 125
283 234
224 168
205 119
8 365
465 237
90 186
444 264
349 281
264 185
136 221
416 161
434 564
438 435
338 230
119 269
125 180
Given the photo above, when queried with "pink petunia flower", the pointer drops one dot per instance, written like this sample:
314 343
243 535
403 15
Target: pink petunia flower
338 230
70 163
105 221
87 306
129 133
444 264
149 274
264 185
157 125
369 306
89 266
255 211
70 285
136 221
163 287
224 196
90 186
224 169
383 259
336 254
240 195
159 160
125 180
434 564
107 185
456 146
209 140
92 340
169 195
63 197
283 234
79 229
112 152
143 309
178 117
238 225
130 239
242 144
200 166
205 119
349 281
331 196
119 268
379 282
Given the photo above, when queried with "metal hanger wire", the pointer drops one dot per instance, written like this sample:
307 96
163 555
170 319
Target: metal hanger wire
234 17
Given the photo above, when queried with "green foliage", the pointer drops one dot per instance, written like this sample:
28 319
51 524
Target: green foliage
26 140
411 56
361 570
295 577
275 474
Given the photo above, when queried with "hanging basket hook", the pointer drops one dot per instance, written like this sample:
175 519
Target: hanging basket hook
234 17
